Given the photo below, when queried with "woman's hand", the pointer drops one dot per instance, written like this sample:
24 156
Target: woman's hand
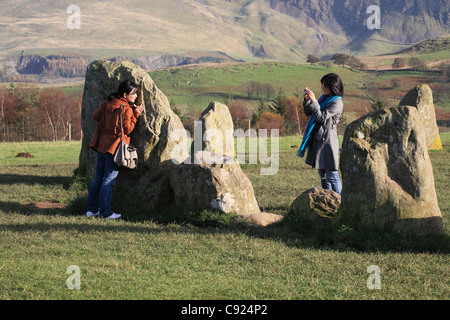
308 94
139 109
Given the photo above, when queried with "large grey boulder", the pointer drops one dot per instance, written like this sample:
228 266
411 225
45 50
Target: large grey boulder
387 175
316 206
159 133
214 183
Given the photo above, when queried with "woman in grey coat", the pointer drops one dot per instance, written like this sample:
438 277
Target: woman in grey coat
321 133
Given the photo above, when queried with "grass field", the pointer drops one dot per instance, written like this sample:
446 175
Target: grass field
194 87
43 231
197 86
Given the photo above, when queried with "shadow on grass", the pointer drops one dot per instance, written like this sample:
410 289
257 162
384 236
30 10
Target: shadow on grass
293 234
290 231
344 238
101 226
12 179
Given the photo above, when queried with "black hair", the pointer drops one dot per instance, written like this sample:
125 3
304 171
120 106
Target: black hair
126 86
333 82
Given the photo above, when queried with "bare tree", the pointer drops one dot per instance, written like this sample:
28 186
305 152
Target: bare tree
248 88
269 90
58 111
399 63
417 64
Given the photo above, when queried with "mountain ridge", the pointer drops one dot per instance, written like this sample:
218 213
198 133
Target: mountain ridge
286 30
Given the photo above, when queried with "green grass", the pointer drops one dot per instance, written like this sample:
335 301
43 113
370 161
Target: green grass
42 152
197 86
140 257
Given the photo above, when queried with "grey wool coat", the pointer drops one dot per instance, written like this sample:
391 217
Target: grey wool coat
323 152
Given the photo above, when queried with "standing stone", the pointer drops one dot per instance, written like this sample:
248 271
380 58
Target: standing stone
159 134
421 97
216 129
166 173
387 175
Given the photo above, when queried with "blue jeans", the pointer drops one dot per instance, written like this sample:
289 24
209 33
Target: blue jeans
330 180
101 188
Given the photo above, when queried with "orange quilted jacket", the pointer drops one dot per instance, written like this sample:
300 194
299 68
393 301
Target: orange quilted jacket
107 135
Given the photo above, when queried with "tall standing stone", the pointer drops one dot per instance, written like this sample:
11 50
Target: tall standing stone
421 97
159 133
387 175
215 128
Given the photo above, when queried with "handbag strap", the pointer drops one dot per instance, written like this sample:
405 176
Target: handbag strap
121 126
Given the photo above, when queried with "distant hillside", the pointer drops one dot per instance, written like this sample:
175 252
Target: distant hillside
432 45
286 30
402 21
35 68
62 66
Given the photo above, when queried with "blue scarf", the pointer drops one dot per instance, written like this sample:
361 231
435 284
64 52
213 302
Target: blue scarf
312 121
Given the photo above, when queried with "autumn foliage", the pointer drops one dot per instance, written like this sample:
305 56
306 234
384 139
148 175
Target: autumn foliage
32 114
283 113
240 113
271 121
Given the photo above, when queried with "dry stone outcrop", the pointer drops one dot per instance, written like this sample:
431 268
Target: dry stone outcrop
387 175
167 174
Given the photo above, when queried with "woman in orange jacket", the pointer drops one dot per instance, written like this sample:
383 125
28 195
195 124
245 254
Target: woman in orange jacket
105 141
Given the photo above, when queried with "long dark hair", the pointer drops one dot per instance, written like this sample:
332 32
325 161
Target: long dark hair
333 82
126 86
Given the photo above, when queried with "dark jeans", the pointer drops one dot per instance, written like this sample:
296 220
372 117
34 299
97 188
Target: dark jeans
100 192
330 180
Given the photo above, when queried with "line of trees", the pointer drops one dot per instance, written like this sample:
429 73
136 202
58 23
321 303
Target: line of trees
275 110
444 68
340 59
256 89
33 114
284 113
414 62
353 62
348 60
418 65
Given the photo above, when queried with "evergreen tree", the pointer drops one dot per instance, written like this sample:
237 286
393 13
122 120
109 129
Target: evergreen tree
279 104
262 107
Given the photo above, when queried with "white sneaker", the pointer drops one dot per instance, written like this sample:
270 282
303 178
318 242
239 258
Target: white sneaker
92 214
114 216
